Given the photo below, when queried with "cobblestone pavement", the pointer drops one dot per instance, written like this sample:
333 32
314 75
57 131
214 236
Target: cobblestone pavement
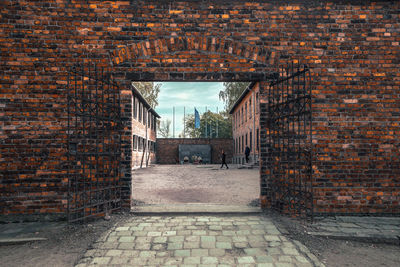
197 241
377 228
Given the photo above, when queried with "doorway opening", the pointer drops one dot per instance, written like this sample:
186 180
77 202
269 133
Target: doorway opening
193 127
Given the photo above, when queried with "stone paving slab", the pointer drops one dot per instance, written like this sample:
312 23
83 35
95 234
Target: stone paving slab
381 229
197 241
194 208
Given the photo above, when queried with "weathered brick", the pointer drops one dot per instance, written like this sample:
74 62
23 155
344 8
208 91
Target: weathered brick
352 56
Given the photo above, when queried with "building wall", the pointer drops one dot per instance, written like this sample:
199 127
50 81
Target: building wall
246 123
351 47
142 155
167 148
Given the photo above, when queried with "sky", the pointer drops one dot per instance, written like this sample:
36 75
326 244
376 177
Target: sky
189 95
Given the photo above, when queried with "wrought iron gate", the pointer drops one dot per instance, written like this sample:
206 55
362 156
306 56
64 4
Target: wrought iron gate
289 142
94 141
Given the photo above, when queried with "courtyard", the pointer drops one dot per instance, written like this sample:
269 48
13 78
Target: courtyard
178 184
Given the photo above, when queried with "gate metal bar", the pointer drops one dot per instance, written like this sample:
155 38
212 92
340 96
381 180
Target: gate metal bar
289 133
94 143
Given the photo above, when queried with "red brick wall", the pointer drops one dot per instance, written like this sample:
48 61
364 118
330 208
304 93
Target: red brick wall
167 148
352 48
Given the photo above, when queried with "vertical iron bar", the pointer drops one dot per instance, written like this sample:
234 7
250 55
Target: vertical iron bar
97 140
306 179
84 139
268 183
113 195
119 150
311 148
103 129
287 137
76 175
90 138
297 177
68 144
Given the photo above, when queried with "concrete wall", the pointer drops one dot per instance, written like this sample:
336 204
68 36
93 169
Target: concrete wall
167 148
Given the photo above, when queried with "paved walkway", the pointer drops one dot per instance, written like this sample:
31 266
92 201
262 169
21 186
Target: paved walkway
385 229
197 241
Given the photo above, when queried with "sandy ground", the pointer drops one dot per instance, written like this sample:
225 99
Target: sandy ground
163 184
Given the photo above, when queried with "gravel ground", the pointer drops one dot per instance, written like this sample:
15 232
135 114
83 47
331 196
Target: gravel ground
163 184
64 245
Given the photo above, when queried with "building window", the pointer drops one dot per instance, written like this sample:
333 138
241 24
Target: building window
241 149
251 139
245 111
135 108
250 107
242 118
246 140
140 112
236 119
257 104
149 119
134 141
258 139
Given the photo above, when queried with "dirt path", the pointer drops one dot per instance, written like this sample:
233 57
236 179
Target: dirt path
64 245
340 253
162 184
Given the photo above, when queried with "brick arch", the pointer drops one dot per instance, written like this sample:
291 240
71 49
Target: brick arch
212 45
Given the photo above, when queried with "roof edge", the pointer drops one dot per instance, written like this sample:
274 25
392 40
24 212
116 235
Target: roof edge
136 92
245 92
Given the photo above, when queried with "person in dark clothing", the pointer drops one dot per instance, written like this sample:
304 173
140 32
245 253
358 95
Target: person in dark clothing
247 153
223 159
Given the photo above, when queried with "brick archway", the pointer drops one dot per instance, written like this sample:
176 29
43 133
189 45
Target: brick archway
216 45
183 59
192 58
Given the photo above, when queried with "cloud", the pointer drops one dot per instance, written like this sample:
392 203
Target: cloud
188 95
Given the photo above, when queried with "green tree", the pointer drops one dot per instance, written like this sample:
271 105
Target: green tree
231 92
164 128
212 125
149 91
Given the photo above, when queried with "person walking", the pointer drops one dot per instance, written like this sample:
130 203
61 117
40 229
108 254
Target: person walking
247 153
223 159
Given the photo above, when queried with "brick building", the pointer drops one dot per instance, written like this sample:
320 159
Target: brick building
246 124
351 47
144 131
